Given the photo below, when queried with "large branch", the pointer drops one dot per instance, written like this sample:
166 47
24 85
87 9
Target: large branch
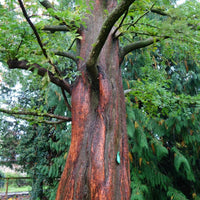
46 4
55 28
16 64
67 55
160 12
33 28
38 114
104 32
138 45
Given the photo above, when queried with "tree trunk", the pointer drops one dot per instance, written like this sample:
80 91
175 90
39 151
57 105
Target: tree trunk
98 123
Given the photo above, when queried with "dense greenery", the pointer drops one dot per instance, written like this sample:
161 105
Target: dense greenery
163 127
39 149
162 90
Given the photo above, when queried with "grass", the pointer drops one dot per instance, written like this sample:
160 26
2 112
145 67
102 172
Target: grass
12 188
12 183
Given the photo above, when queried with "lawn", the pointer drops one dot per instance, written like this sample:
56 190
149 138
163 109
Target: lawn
12 188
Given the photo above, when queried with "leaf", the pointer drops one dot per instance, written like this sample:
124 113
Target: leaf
65 156
161 151
130 156
175 194
136 124
181 161
140 161
79 57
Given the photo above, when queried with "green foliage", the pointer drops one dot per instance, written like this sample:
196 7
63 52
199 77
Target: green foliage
44 157
8 137
139 190
163 127
20 42
39 149
160 150
175 194
181 162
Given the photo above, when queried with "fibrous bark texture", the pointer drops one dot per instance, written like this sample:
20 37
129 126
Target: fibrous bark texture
98 124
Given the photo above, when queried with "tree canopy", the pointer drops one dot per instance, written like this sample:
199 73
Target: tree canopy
42 51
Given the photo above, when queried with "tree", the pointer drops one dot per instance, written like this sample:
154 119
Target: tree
37 148
97 166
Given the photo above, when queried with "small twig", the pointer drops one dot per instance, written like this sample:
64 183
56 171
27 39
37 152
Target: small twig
143 33
131 24
37 36
139 18
66 101
33 28
71 45
149 25
124 17
20 44
46 4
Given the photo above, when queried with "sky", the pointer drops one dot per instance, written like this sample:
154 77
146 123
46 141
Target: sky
180 2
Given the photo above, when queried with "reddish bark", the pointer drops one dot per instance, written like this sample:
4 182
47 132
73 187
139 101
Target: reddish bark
98 125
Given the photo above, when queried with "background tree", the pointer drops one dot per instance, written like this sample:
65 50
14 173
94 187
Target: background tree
105 32
162 127
38 146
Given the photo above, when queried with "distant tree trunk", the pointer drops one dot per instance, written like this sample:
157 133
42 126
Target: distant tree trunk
98 123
